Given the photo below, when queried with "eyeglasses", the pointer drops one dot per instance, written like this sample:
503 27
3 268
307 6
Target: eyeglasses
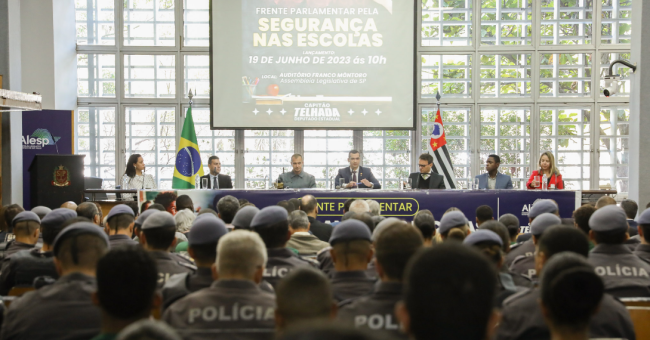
422 166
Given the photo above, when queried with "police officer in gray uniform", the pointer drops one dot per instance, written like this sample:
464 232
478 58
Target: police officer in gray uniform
643 249
297 178
351 252
203 238
119 225
26 265
527 248
395 245
525 265
624 274
244 217
158 236
522 317
137 225
63 310
272 224
233 306
26 227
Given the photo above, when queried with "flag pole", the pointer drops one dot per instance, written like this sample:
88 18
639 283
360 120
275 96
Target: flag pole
438 99
189 95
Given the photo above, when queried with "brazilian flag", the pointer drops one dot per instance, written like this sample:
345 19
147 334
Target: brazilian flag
188 159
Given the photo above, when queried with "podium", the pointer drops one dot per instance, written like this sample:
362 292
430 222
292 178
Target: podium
56 179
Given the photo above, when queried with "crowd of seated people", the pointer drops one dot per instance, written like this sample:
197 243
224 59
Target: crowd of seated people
247 272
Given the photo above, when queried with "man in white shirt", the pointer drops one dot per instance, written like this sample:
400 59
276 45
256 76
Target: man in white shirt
216 180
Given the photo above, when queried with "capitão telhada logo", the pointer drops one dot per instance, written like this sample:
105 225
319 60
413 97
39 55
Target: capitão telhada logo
39 139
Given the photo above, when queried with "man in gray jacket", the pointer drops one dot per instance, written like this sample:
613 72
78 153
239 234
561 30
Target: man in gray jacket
301 240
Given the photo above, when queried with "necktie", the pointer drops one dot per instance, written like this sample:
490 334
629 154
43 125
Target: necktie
354 176
425 176
215 184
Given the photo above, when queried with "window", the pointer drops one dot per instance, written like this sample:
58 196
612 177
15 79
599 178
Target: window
506 75
95 22
505 131
388 154
220 143
151 133
616 22
446 23
506 22
149 76
197 23
613 147
566 22
197 75
325 153
96 140
149 23
96 75
268 154
566 133
451 75
565 75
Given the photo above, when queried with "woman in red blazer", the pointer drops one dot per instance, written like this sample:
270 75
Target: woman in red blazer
546 166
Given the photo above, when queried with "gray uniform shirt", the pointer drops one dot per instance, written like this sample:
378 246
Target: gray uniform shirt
24 266
526 249
624 274
643 252
63 310
181 285
280 262
522 319
302 180
350 285
524 265
169 264
375 312
229 309
119 240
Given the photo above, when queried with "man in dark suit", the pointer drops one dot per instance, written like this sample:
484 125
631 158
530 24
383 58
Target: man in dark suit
426 178
357 174
215 177
309 205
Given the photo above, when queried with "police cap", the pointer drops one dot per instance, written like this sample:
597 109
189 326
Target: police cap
75 229
160 219
58 216
543 222
244 217
25 216
350 230
541 207
206 229
143 217
41 211
269 216
451 220
483 235
120 209
381 225
644 218
609 218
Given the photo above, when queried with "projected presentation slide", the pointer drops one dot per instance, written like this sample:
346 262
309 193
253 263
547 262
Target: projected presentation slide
312 64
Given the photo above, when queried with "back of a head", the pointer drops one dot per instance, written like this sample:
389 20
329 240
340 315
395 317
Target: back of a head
126 282
426 223
570 291
500 230
308 203
208 211
581 217
26 228
156 206
298 220
184 219
296 203
359 207
604 201
165 198
305 294
240 253
148 330
285 205
449 293
227 208
348 215
484 213
346 205
184 202
41 211
375 209
81 252
559 239
511 222
88 210
365 218
133 205
394 247
630 207
9 212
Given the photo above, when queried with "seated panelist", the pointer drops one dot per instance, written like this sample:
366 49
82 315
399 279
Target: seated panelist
216 180
427 178
493 179
546 167
355 175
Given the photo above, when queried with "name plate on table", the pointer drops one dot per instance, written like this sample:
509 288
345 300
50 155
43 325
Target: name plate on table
394 203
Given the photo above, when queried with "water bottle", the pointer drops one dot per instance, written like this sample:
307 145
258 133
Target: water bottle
544 182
